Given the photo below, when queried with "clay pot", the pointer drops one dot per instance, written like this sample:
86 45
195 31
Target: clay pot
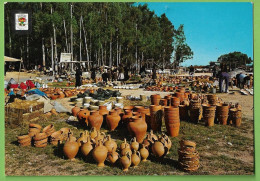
83 116
126 116
144 153
99 137
103 111
163 102
71 148
125 161
235 117
126 150
83 138
128 108
100 154
93 133
159 149
113 156
153 136
222 113
137 128
86 148
135 158
134 145
209 114
175 101
56 137
95 120
75 110
156 115
113 120
167 141
155 99
65 133
110 144
124 145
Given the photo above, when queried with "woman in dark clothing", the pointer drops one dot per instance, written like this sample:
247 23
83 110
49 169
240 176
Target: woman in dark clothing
78 77
126 70
93 73
154 73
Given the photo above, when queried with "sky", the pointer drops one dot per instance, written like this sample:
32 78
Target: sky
211 29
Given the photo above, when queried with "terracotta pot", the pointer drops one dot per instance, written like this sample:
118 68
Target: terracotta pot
93 132
113 156
175 101
125 161
103 111
137 128
86 148
187 143
155 99
24 140
235 117
173 129
128 108
156 115
56 137
113 120
137 108
65 133
40 136
126 150
83 138
126 116
100 154
70 148
163 102
209 114
134 145
83 116
124 145
95 120
37 126
143 111
135 158
144 153
167 141
159 149
110 144
100 137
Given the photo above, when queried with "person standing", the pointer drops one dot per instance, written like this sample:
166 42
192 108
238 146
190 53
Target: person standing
154 76
78 77
224 76
121 76
142 71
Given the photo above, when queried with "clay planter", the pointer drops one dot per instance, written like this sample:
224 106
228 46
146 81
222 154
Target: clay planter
86 148
144 153
135 158
24 140
125 161
113 156
125 118
209 114
159 149
137 128
155 99
75 110
134 145
70 148
100 154
124 145
110 144
95 120
83 116
113 120
156 115
175 101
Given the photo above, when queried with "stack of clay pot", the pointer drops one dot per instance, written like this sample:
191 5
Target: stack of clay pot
34 129
155 99
188 156
209 114
222 113
235 116
212 99
156 115
172 120
40 140
49 129
180 94
56 137
195 110
24 140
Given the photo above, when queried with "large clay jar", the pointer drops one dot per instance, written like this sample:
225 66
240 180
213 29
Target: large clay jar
113 156
83 116
103 111
126 116
86 148
143 111
134 145
124 145
75 110
110 144
137 128
159 149
144 153
95 120
70 148
113 120
125 161
100 154
135 158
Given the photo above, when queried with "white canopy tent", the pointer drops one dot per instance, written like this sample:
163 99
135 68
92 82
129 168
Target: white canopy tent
10 59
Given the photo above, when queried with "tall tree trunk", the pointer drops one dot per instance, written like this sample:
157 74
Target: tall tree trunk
136 47
52 61
71 36
117 57
102 55
80 56
55 45
110 57
66 38
43 55
86 43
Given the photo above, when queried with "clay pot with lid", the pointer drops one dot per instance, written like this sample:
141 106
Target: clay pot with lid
95 120
75 110
86 148
113 120
134 145
159 149
70 148
100 154
135 158
112 156
124 145
137 128
125 161
144 153
110 144
83 116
